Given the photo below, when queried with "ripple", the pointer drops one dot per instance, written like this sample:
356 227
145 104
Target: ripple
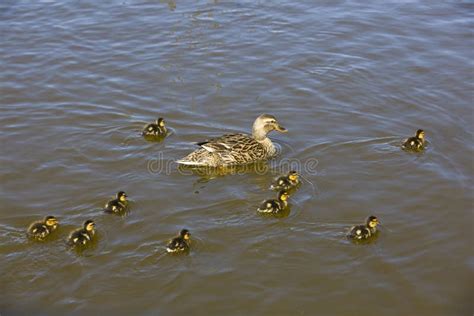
349 81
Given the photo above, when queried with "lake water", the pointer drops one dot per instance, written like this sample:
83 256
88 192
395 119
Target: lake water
349 80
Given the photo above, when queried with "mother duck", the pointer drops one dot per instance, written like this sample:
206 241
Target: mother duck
237 149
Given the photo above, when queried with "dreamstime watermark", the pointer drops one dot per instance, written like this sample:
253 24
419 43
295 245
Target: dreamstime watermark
160 165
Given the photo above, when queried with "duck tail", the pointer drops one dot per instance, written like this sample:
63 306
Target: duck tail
199 157
187 162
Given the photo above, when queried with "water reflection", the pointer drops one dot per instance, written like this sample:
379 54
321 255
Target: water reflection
154 139
209 173
172 5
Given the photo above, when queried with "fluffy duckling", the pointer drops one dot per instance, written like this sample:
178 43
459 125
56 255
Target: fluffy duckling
364 231
39 230
118 205
82 236
179 243
275 206
416 143
290 181
157 128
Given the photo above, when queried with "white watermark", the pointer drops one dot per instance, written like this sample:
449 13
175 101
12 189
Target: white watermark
160 165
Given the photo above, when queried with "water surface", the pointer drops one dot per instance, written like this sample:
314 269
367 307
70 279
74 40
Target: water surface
79 79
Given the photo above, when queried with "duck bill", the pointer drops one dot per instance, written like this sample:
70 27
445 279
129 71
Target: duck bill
281 129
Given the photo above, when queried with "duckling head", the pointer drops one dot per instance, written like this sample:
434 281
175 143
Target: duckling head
89 225
121 196
372 221
160 122
264 124
293 175
185 234
420 134
50 221
283 195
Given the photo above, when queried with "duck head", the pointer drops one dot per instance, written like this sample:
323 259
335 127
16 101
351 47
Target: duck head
160 122
264 124
121 196
420 134
185 234
293 176
372 221
89 225
283 196
51 221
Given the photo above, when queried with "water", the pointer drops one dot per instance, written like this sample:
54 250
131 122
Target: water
78 80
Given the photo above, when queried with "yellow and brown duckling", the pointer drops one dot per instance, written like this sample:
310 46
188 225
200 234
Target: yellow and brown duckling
275 206
155 129
416 143
82 236
179 243
118 205
288 182
39 230
364 231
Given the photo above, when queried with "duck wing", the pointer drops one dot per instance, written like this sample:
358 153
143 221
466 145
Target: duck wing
229 149
230 142
412 143
235 149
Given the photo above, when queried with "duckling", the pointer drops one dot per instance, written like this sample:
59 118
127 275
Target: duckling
416 143
179 243
275 206
364 231
39 230
118 205
155 129
82 236
290 181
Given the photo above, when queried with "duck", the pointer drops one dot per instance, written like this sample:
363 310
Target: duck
238 148
288 182
155 129
82 236
39 230
179 243
364 231
416 143
118 205
275 206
